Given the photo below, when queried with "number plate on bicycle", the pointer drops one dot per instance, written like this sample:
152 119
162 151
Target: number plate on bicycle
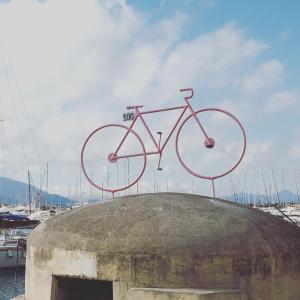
128 116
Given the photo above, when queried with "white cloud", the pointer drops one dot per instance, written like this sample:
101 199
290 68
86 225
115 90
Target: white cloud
267 75
210 59
282 100
295 152
257 153
80 63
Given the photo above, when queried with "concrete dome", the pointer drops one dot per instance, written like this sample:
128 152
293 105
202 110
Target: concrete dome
171 240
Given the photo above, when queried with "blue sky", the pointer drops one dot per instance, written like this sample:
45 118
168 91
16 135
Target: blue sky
275 22
79 68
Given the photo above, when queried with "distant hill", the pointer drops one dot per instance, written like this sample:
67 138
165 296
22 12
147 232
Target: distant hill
285 196
14 192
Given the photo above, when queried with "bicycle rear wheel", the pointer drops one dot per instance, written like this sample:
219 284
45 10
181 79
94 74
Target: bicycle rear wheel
113 173
211 162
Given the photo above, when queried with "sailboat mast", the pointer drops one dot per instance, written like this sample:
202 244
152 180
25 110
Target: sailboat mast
278 199
296 185
263 179
2 151
29 192
282 175
47 187
233 190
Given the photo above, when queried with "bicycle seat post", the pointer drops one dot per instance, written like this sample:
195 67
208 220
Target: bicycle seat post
159 160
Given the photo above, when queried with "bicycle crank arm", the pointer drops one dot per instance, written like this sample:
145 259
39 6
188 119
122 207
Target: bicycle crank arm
112 157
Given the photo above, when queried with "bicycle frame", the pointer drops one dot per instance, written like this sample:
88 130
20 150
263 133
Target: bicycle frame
209 142
160 148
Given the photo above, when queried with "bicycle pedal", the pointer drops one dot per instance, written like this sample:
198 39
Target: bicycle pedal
159 169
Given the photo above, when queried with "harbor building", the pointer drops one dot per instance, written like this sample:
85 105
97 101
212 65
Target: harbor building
164 246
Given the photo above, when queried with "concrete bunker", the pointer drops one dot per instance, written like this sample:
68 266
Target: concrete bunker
168 246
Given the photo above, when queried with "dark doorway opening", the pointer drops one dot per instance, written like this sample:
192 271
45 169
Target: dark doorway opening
68 288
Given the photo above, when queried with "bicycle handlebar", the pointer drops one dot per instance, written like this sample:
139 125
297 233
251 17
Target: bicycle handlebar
188 90
134 106
181 90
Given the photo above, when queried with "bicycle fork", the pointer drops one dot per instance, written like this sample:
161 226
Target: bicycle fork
209 142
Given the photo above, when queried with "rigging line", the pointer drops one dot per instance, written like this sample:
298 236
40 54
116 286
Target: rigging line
3 144
5 151
33 187
233 189
14 107
2 152
23 103
297 190
39 191
263 179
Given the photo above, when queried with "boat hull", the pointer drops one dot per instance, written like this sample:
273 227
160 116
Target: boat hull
4 224
10 257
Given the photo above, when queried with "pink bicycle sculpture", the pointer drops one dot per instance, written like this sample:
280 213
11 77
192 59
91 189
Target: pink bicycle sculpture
113 143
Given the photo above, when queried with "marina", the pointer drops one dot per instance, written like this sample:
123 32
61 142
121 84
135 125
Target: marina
13 252
138 237
149 150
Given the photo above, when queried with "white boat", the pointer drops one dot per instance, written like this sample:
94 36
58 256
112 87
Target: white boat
12 251
290 212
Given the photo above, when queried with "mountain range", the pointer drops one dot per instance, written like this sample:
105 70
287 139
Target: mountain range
16 192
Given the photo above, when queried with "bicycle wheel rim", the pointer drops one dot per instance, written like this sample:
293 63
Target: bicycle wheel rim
91 181
241 155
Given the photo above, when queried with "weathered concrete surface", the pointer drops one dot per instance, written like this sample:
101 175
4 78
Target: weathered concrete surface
20 297
182 294
168 240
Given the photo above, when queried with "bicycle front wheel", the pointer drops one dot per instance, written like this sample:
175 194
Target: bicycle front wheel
211 161
110 171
